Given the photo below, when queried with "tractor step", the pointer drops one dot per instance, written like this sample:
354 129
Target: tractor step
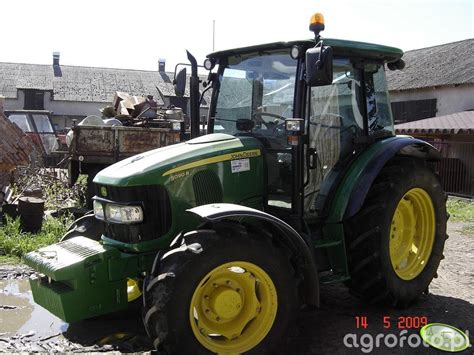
333 278
326 243
74 279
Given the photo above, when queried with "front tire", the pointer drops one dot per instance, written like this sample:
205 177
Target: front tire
395 243
220 293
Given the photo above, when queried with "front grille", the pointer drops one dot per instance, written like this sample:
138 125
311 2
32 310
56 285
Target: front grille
156 209
207 187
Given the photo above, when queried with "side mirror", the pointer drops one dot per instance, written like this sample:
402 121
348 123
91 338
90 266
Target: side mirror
179 83
319 66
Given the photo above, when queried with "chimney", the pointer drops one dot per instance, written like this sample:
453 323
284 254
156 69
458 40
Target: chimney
161 65
56 58
56 68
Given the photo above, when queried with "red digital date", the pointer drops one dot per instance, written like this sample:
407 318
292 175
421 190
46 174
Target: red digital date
406 322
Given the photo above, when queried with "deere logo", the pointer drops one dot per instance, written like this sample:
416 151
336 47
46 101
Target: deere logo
444 337
103 191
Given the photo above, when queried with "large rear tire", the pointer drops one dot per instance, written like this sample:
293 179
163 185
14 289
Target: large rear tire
216 293
395 243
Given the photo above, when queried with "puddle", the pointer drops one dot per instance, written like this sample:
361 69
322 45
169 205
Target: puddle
20 315
26 326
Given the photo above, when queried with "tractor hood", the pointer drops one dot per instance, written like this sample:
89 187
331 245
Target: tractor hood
155 166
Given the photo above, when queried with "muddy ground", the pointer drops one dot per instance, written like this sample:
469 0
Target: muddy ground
25 327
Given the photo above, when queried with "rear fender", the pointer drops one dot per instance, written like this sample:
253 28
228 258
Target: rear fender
220 211
353 189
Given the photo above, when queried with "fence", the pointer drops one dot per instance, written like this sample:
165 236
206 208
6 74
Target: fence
456 169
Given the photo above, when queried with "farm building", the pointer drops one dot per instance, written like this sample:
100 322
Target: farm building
73 92
436 81
453 135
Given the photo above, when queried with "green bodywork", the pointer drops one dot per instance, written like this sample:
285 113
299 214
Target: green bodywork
81 278
333 229
78 278
174 167
84 278
96 273
341 47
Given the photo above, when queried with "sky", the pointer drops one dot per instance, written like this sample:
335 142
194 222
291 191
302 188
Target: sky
135 34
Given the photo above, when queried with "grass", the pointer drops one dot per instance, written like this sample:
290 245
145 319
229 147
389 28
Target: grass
9 259
461 210
57 195
14 243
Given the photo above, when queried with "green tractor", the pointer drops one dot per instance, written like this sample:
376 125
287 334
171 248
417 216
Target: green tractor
300 182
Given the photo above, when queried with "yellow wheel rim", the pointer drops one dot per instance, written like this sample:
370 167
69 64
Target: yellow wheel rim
412 234
233 307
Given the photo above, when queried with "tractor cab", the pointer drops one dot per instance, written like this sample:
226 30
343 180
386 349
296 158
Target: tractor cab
312 104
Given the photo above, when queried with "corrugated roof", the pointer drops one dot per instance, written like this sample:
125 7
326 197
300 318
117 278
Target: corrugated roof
87 84
446 64
456 123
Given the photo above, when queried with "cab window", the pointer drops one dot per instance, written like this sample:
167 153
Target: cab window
335 119
378 103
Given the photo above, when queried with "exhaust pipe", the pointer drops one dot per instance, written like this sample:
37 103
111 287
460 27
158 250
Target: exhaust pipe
194 96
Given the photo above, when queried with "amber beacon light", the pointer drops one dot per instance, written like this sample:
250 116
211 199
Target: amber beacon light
316 24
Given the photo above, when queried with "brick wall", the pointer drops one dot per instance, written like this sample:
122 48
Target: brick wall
15 147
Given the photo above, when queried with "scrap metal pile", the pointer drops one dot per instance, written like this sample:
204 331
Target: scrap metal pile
133 110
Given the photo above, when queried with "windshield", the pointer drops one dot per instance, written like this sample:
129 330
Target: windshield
46 132
21 120
256 93
42 123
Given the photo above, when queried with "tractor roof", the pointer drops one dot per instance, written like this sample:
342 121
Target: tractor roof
340 47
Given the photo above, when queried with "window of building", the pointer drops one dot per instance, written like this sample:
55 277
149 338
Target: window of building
413 110
34 100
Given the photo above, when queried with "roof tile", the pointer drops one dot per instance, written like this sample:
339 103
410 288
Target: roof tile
446 64
87 84
456 123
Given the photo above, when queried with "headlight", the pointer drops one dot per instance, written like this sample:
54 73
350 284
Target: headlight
123 214
295 52
209 63
98 210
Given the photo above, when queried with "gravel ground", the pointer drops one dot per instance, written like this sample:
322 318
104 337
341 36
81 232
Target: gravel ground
317 331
